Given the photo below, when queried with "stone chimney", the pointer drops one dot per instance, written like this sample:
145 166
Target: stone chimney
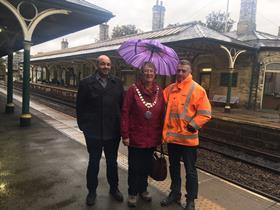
158 16
64 44
247 19
103 32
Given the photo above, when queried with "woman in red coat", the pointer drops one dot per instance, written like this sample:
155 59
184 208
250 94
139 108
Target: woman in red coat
141 130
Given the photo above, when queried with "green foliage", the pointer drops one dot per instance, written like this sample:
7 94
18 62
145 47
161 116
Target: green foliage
2 63
119 31
217 20
2 66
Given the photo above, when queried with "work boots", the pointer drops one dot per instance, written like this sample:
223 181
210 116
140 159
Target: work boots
190 205
91 197
117 195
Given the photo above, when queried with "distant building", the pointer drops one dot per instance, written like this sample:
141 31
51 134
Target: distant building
158 16
267 58
17 64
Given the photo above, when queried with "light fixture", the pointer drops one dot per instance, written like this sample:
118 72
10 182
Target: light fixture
206 69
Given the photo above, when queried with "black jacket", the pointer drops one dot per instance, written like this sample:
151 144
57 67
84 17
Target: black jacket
98 109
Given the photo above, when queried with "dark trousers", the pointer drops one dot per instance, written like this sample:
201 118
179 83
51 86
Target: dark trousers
95 148
139 167
188 154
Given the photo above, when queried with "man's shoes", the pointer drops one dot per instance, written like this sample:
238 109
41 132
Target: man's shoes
90 200
190 205
172 197
117 195
146 196
131 201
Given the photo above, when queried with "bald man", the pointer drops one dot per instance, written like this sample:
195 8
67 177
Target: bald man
98 108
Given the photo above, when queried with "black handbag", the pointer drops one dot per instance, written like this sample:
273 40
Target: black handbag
159 166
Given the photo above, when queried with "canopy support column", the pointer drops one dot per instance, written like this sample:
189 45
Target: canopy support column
232 56
25 118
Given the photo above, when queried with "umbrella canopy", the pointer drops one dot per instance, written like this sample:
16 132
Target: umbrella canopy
137 52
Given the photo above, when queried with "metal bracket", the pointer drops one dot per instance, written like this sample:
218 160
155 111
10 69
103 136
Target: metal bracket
28 28
232 54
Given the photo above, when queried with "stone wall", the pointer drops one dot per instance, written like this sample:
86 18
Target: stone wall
219 65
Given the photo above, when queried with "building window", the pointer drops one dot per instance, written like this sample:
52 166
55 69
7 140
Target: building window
224 79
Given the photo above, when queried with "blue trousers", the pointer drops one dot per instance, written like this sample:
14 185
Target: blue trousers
188 155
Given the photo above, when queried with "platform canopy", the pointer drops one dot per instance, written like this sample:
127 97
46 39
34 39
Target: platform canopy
55 18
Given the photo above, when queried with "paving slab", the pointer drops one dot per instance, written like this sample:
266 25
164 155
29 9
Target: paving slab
43 167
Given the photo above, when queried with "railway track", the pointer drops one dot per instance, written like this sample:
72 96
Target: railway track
263 162
250 183
242 153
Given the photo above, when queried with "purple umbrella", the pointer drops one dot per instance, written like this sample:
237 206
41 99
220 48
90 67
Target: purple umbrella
137 52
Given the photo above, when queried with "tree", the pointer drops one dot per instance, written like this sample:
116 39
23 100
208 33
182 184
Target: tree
217 20
124 30
2 63
2 68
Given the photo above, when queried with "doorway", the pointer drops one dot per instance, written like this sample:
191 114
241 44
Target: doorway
271 94
205 79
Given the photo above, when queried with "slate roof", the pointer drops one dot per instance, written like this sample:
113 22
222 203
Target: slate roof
257 39
187 31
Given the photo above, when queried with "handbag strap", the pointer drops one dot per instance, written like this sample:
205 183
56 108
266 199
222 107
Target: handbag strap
161 151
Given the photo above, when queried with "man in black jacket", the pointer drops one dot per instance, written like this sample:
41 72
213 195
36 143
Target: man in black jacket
98 108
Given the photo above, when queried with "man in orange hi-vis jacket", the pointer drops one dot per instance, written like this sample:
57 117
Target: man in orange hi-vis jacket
187 110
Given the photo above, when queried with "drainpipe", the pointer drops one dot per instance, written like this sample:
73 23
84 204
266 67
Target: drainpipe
257 82
254 70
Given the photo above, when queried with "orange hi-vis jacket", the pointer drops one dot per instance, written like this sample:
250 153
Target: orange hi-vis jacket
187 103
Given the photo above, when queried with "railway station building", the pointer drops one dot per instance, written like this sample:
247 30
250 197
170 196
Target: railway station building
250 57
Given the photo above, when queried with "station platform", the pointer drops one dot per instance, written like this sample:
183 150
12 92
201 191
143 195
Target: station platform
43 167
263 118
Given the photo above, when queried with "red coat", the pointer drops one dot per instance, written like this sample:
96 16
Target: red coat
142 133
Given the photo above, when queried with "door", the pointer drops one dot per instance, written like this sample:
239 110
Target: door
271 96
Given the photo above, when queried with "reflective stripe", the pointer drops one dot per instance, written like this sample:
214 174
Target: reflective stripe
187 118
183 115
188 99
179 116
194 125
181 136
204 112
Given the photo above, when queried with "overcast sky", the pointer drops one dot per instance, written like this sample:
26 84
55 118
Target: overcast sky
139 13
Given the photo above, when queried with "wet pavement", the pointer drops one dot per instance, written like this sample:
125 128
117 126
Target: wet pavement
40 168
44 166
